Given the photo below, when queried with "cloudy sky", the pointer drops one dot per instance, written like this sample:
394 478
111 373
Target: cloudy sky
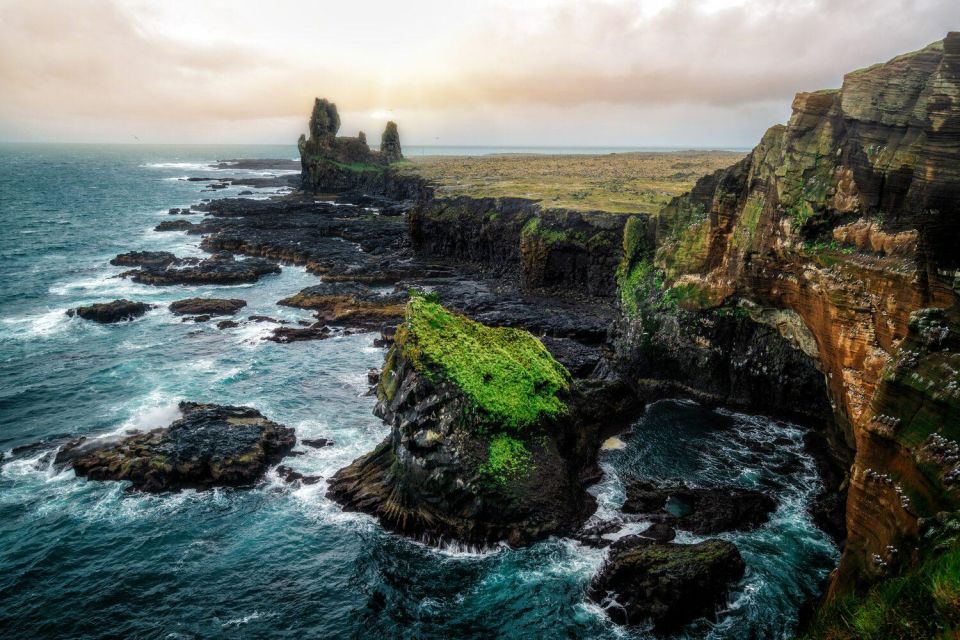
482 72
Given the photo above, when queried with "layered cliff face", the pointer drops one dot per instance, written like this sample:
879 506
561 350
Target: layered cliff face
552 250
839 231
484 445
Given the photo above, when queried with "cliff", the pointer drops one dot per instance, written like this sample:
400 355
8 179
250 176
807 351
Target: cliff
838 233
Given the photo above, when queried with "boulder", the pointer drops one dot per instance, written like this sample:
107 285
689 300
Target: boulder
211 445
144 259
207 306
667 584
107 312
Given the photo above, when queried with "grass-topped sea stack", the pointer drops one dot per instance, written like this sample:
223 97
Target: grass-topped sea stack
483 446
339 163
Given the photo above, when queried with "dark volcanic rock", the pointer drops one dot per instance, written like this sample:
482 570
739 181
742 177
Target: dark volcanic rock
175 225
211 445
227 324
221 268
207 306
289 475
427 478
348 303
700 510
659 532
144 259
317 443
665 583
116 311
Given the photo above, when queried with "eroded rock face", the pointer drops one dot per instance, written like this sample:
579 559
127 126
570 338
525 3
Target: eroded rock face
444 473
211 445
107 312
665 583
333 164
848 217
703 511
390 143
207 306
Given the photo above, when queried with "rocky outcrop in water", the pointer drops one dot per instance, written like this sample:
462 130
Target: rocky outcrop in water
838 231
482 446
107 312
211 445
665 584
347 303
704 511
220 268
207 306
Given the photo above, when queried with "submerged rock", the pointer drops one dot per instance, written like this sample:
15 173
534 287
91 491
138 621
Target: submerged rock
207 306
482 446
667 584
700 510
107 312
211 445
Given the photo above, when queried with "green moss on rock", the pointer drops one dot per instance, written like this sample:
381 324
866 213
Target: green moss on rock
507 458
507 373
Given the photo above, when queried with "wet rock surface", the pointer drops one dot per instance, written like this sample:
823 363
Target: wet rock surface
207 306
665 584
108 312
349 303
211 445
220 268
703 511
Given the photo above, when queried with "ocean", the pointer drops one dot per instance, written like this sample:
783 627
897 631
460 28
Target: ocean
85 559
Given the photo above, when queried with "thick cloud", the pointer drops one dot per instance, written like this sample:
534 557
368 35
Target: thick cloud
544 71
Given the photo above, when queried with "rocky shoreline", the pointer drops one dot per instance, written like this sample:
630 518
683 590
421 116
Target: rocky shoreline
803 281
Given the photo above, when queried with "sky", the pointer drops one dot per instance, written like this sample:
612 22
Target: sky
697 73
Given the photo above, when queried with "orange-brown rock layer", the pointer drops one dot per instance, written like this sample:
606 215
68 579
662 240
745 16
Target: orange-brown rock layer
849 217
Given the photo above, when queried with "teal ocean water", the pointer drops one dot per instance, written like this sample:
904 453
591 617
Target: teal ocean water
83 559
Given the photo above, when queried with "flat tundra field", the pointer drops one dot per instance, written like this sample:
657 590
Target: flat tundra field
616 182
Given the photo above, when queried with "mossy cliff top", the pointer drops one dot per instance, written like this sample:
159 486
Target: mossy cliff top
506 373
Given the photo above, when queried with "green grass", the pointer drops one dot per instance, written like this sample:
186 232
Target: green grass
508 458
356 166
507 374
923 603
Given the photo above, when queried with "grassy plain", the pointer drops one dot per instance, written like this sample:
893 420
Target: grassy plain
616 182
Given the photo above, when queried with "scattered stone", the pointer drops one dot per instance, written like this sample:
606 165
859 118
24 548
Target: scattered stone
107 312
317 443
227 324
